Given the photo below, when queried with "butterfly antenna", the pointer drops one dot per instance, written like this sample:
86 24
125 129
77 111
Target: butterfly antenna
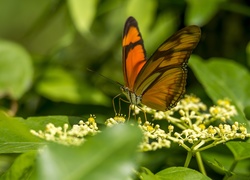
110 80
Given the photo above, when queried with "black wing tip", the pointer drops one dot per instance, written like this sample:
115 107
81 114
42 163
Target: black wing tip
131 21
131 18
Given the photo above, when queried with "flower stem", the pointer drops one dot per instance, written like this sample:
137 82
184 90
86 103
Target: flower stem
200 163
233 166
188 159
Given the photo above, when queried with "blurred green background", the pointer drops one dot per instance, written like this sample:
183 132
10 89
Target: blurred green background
46 47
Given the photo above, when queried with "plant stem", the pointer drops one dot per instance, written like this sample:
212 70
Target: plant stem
233 166
200 163
188 159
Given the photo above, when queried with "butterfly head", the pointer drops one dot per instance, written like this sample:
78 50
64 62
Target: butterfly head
131 96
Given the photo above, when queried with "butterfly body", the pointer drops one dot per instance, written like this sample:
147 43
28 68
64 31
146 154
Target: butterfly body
158 82
131 96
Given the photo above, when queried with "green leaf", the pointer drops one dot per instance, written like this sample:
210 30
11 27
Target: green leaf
164 26
224 78
221 160
240 150
248 53
218 158
59 85
108 155
180 173
247 112
14 130
238 176
19 147
39 123
22 168
145 15
15 136
16 71
82 13
201 12
146 174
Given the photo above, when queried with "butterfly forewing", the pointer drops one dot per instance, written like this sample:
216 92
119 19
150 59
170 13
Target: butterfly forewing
160 81
133 52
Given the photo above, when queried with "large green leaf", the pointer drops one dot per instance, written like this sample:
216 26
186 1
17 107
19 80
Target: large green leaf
221 160
14 130
59 85
22 168
224 78
16 71
201 12
108 155
180 173
146 174
19 147
82 13
15 135
144 15
240 150
248 53
39 123
218 158
164 26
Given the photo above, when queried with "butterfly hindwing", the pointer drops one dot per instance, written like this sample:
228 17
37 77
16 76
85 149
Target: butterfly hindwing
166 69
165 91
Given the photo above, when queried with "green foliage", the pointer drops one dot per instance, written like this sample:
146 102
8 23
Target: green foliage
220 159
45 50
180 173
174 173
22 168
239 150
82 13
220 78
105 151
15 78
206 10
59 85
113 152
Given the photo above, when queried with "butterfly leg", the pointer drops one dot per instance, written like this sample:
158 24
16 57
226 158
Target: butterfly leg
113 102
140 108
129 111
145 114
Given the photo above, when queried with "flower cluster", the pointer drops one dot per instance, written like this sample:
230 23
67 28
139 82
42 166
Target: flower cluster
116 120
194 120
203 138
197 126
153 137
74 136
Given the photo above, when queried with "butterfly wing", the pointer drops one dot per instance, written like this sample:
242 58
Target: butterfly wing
162 80
133 52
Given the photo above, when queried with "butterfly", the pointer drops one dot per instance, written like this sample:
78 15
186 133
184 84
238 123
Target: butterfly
158 82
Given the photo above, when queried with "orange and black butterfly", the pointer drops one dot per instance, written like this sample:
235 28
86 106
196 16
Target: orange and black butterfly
158 82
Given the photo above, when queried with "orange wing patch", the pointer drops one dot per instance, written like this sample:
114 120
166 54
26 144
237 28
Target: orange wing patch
133 67
132 36
134 56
